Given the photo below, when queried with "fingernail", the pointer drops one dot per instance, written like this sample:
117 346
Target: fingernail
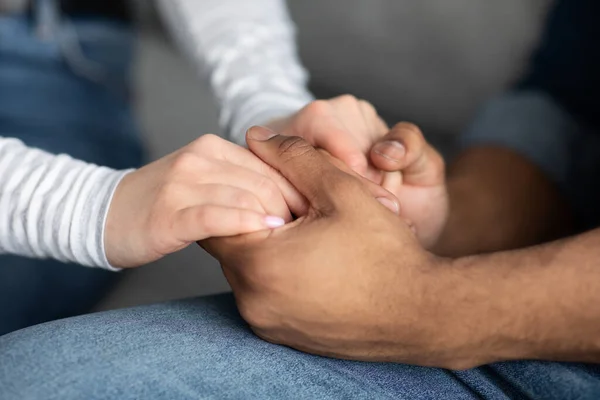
260 133
391 150
392 205
274 222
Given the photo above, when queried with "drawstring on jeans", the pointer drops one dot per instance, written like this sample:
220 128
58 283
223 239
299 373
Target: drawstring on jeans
50 24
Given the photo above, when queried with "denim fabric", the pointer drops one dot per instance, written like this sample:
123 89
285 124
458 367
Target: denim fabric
202 349
63 88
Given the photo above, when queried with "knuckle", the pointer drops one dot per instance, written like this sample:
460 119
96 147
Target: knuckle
208 140
357 162
293 147
204 217
185 161
347 99
246 201
317 107
368 107
409 128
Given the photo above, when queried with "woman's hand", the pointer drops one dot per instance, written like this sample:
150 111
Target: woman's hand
209 188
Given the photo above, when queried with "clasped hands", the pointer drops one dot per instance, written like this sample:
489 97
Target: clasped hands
348 277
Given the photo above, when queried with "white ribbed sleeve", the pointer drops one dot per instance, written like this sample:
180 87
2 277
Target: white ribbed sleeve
247 49
53 206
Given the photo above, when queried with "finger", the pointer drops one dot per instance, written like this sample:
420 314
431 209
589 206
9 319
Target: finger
377 129
325 186
237 155
349 112
331 135
311 173
208 220
382 195
264 189
405 149
377 125
229 197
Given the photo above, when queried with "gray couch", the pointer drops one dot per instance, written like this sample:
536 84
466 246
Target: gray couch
432 62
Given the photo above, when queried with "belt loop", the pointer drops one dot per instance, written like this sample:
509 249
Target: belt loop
47 19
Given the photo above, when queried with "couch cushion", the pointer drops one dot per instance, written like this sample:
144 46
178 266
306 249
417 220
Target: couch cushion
432 62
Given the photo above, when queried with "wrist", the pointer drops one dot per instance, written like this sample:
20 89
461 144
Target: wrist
460 333
499 308
445 330
117 248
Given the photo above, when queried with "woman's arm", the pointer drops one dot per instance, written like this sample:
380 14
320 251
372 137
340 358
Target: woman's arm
53 206
248 51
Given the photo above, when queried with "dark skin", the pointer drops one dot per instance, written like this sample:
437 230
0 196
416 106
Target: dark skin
350 280
498 200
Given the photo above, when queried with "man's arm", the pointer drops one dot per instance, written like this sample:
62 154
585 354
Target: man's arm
505 189
248 50
500 200
537 303
382 297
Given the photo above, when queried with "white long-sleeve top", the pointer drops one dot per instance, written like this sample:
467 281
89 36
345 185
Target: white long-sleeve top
55 206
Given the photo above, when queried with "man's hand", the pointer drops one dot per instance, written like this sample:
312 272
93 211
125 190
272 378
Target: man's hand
346 280
400 160
209 188
415 174
344 126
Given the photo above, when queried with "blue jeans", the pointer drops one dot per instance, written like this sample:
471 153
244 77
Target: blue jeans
201 348
63 88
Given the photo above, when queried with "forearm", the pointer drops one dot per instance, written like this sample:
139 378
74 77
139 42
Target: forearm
536 303
505 189
53 206
499 200
248 51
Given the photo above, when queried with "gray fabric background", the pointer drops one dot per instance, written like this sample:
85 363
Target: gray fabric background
432 62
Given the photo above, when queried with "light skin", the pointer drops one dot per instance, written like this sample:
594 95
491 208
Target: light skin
214 188
399 160
385 297
209 188
355 283
344 126
486 186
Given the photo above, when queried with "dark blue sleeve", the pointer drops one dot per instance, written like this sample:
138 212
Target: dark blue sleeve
567 64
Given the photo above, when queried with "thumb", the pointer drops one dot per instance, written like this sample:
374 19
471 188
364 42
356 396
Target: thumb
405 149
324 185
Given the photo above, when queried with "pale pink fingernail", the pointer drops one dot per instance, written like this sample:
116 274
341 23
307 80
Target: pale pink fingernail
260 133
274 222
392 205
